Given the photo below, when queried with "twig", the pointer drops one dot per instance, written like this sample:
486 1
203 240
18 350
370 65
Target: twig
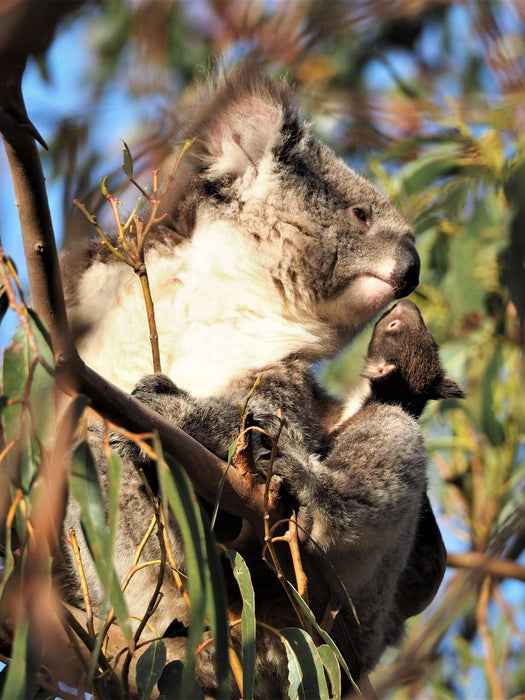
332 609
493 680
153 602
83 584
497 568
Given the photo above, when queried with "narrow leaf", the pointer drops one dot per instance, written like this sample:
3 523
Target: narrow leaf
325 636
127 165
295 674
216 607
248 621
178 497
86 489
333 670
314 681
170 682
25 662
149 668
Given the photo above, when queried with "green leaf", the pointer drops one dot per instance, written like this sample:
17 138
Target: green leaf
438 162
127 165
205 580
295 674
216 607
333 670
492 427
24 665
170 683
178 497
104 186
28 384
86 489
149 668
248 621
313 683
325 636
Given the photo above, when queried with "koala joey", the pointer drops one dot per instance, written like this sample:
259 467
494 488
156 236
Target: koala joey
272 253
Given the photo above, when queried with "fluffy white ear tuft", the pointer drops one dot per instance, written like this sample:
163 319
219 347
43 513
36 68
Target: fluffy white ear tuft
245 130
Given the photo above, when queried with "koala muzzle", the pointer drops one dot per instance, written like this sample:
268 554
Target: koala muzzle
406 275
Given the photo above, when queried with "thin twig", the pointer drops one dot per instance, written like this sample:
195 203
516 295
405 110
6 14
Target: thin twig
494 682
83 583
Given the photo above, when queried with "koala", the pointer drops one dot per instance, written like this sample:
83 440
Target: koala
272 254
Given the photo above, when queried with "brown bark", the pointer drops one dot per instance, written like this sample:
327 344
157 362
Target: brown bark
497 568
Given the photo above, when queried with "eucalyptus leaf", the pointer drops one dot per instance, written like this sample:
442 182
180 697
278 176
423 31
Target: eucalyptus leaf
127 165
313 684
24 665
149 668
491 425
333 670
170 683
86 489
216 612
179 498
248 620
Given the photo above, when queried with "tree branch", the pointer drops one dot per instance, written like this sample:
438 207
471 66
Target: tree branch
497 568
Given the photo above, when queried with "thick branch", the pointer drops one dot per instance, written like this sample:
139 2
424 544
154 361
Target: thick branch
242 494
497 568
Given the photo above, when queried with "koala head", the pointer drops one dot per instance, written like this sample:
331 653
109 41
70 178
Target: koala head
403 364
328 244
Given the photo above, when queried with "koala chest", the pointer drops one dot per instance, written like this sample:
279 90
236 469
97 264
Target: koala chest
216 319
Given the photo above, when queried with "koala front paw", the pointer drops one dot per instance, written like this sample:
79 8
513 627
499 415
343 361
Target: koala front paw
155 384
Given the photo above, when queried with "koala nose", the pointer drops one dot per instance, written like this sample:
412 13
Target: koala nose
406 274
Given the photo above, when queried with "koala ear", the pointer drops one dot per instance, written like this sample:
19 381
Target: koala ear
447 388
377 369
242 133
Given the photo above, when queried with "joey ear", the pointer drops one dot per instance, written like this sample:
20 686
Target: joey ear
241 134
447 388
377 369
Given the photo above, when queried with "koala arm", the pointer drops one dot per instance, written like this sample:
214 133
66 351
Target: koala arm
211 421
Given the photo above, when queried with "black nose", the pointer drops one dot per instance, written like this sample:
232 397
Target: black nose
406 276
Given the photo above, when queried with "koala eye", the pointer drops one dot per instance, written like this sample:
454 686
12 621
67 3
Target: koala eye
393 325
361 214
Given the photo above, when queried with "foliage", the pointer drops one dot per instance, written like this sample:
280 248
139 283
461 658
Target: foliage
433 100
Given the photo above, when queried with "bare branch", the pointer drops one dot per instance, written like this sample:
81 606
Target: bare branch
497 568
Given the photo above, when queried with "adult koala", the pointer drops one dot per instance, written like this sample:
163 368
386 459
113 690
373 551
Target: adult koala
273 254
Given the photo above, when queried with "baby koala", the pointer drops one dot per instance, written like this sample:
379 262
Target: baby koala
402 368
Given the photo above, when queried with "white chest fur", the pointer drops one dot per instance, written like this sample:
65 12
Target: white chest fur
216 317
